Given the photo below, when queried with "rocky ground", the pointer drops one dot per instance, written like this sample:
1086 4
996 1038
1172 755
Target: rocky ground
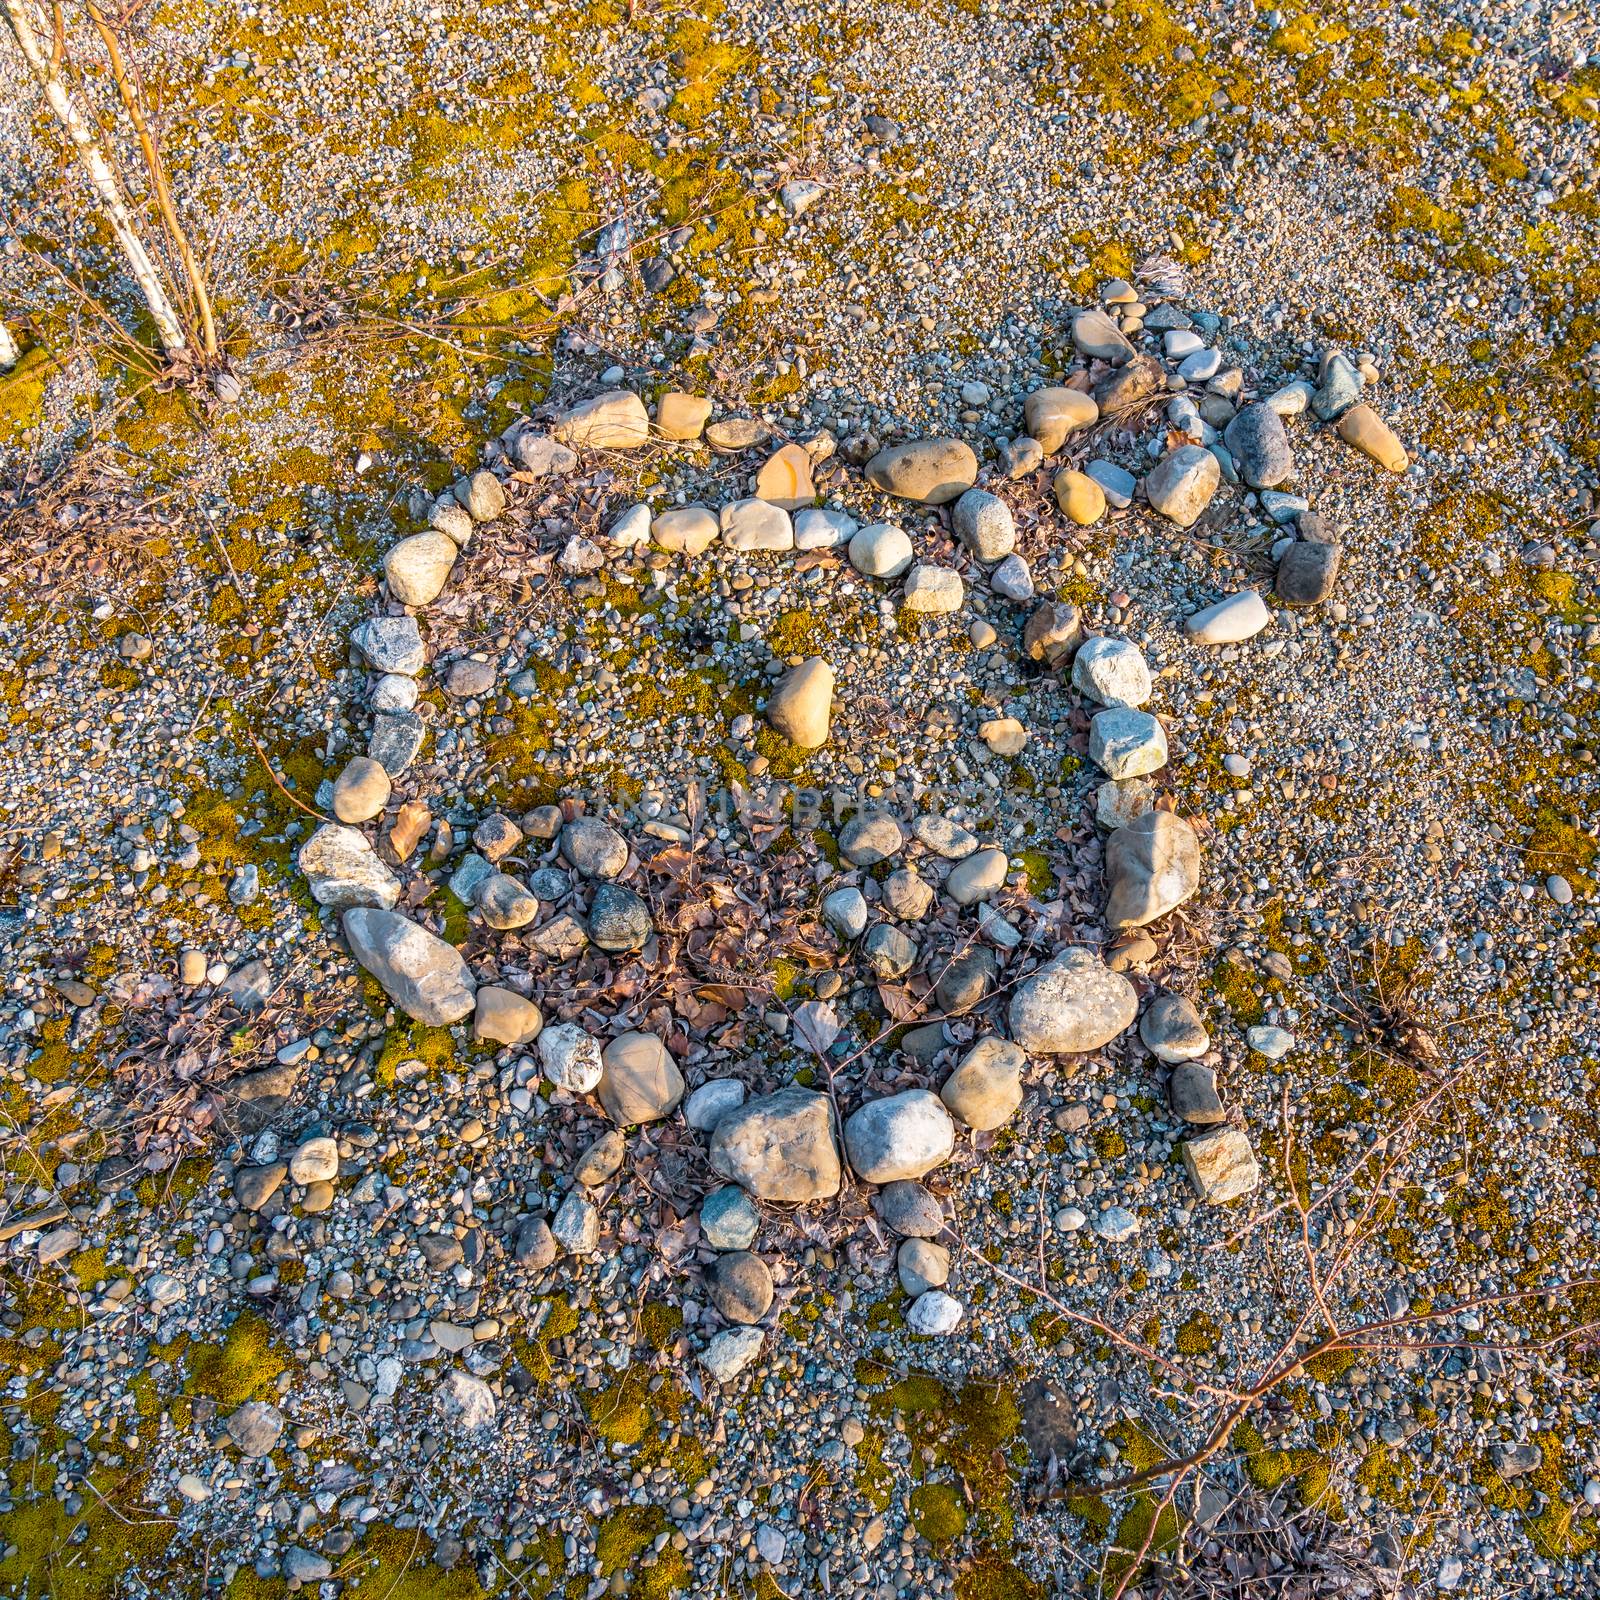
831 831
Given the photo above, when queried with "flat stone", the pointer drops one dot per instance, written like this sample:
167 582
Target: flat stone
930 471
921 1266
1125 743
396 740
1117 484
255 1428
1338 386
504 903
756 525
253 1187
729 1219
602 1160
909 1209
540 456
730 1352
482 495
1005 736
315 1161
733 434
845 911
682 417
779 1146
425 977
880 550
1053 633
1052 415
639 1080
978 876
465 1402
613 420
985 1090
943 836
576 1227
593 848
889 952
1221 1166
933 590
1095 335
502 1016
685 530
1363 428
785 481
1071 1005
967 981
1172 1030
1012 579
984 524
907 895
870 837
1130 385
342 869
1273 1043
822 528
1230 621
1192 1093
1152 867
1116 1225
1181 484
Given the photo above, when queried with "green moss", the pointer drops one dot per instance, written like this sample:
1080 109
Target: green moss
660 1324
394 1564
938 1513
1108 1144
1197 1336
22 392
1232 986
243 1366
435 1048
623 1536
560 1322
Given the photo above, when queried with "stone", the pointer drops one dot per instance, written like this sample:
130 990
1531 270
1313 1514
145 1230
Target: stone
933 1315
502 1016
469 679
425 977
910 1209
845 911
686 530
576 1227
943 836
1125 743
730 1352
977 877
1515 1460
540 456
468 876
1117 484
1231 620
907 895
967 981
1181 342
798 195
396 740
418 567
1291 400
1307 572
1200 365
779 1146
613 420
1012 579
741 1286
253 1187
1152 867
986 1088
578 556
1095 335
1004 736
1192 1093
391 645
1020 458
800 706
682 417
619 919
1338 386
482 494
1050 415
783 481
729 1219
1260 447
315 1161
255 1428
1111 672
1129 386
900 1136
361 790
922 1266
1182 483
870 837
711 1102
1116 1225
570 1057
342 869
1071 1005
1080 497
880 550
888 952
756 525
639 1080
734 434
496 836
822 528
1273 1043
464 1401
930 471
1053 633
533 1245
503 902
593 848
602 1160
1363 428
984 524
1172 1030
1221 1166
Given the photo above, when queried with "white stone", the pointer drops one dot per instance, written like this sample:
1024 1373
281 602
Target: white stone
711 1102
1127 744
1112 672
1273 1043
934 1314
933 590
418 567
756 525
576 1227
730 1352
466 1401
845 911
632 528
570 1057
1071 1005
343 869
1230 621
821 528
880 550
902 1136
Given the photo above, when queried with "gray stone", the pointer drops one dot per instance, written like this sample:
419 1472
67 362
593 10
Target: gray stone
1072 1004
503 902
483 495
741 1286
986 1088
1012 579
943 836
1130 385
1260 447
253 1187
727 1355
619 919
880 550
464 1401
902 1136
822 528
602 1160
870 837
967 981
342 869
922 1266
534 1246
984 524
391 644
577 1225
933 590
889 952
978 876
1127 744
396 740
594 848
756 525
1338 387
1117 484
1307 572
570 1056
910 1209
711 1102
729 1219
418 567
907 895
1152 866
255 1428
425 977
1172 1030
1111 672
1181 484
1192 1093
845 911
779 1146
1098 337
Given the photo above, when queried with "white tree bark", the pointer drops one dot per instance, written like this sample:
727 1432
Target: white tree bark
72 116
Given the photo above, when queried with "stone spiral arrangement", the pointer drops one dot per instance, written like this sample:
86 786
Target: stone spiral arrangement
788 1147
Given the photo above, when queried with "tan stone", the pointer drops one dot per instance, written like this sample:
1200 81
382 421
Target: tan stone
361 791
614 420
1004 735
682 417
1050 415
1080 497
801 705
689 529
785 479
502 1016
410 823
1362 427
418 567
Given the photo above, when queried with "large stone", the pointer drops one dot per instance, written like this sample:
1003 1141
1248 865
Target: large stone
822 528
503 902
785 481
1111 672
682 417
1192 1093
396 740
932 471
922 1265
984 524
986 1088
1072 1004
570 1056
934 1315
933 590
391 644
1118 804
902 1136
1230 621
967 981
255 1428
1097 336
594 848
1260 447
619 919
870 837
464 1401
1051 415
1362 427
1307 572
688 530
910 1209
1221 1166
978 876
425 977
756 524
741 1286
576 1227
1079 496
1181 484
1053 633
639 1080
1172 1030
727 1355
800 706
1127 744
779 1146
880 550
889 952
613 420
502 1016
342 869
1152 866
419 566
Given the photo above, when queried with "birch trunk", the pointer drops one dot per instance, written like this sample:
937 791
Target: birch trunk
72 116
